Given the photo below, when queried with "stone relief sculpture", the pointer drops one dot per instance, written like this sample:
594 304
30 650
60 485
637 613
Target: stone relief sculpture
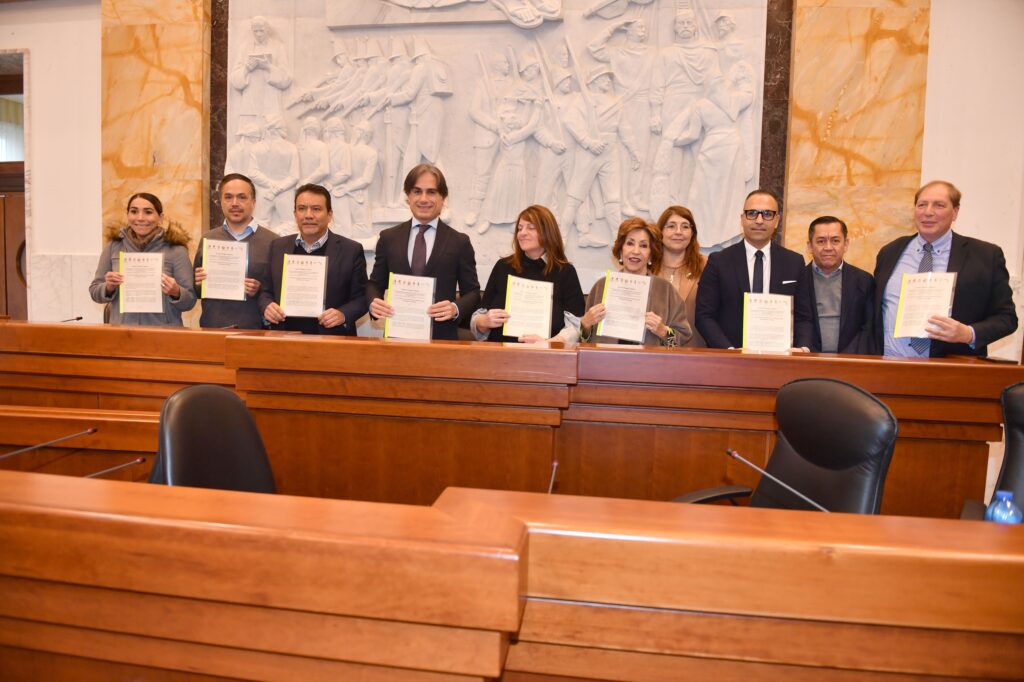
631 63
278 161
261 73
522 13
429 85
492 93
314 166
353 195
598 109
597 123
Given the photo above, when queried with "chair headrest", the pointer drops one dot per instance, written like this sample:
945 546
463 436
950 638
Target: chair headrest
853 423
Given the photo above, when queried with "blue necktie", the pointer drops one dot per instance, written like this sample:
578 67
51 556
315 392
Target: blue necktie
921 346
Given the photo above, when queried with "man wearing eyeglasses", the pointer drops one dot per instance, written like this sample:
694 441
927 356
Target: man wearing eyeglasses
754 264
982 310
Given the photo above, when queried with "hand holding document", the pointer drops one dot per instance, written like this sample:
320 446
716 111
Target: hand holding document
140 290
767 323
410 297
225 264
528 303
922 295
625 299
303 285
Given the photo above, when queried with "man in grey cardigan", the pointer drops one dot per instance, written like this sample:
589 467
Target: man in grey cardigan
238 203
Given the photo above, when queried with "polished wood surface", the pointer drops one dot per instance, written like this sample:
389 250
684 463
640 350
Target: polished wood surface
254 586
627 590
104 367
679 410
111 580
120 436
398 421
393 421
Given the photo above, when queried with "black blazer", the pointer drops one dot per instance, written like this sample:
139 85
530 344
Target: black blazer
346 279
982 297
452 264
855 311
719 315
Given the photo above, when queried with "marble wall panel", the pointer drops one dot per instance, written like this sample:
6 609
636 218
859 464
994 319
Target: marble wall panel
135 12
155 107
52 303
856 118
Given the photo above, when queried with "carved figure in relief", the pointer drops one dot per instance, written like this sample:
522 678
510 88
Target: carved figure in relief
597 127
492 93
612 9
339 157
261 73
679 79
736 66
314 165
391 123
278 160
554 165
631 63
354 191
720 179
522 13
429 85
507 193
374 76
240 157
333 81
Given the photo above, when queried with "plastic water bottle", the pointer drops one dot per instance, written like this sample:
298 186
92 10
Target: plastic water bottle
1002 509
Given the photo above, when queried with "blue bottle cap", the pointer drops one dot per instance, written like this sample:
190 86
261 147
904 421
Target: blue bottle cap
1004 495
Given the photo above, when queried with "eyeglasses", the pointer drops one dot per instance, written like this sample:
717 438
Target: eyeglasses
767 214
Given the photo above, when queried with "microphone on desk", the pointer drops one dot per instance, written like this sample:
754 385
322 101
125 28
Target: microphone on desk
137 460
551 483
72 319
48 443
735 455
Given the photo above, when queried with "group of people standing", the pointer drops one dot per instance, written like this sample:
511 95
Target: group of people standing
693 301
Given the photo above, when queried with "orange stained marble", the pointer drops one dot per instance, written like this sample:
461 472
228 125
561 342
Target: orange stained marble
856 118
155 107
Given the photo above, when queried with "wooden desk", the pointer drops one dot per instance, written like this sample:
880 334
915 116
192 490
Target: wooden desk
397 421
139 580
655 424
637 591
105 367
388 421
108 580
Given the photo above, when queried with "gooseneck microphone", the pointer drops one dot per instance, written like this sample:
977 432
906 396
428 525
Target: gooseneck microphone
72 319
551 483
735 455
48 443
137 460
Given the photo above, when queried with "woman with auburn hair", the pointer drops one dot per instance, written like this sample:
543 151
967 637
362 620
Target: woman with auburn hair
144 233
537 254
638 250
682 261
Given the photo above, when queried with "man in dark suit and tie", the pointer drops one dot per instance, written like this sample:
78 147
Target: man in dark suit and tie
982 310
755 264
833 305
426 246
345 295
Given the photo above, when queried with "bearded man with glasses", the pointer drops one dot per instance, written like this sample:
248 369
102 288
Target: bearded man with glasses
754 264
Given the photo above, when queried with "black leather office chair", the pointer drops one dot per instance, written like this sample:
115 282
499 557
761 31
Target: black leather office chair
208 439
834 444
1011 474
